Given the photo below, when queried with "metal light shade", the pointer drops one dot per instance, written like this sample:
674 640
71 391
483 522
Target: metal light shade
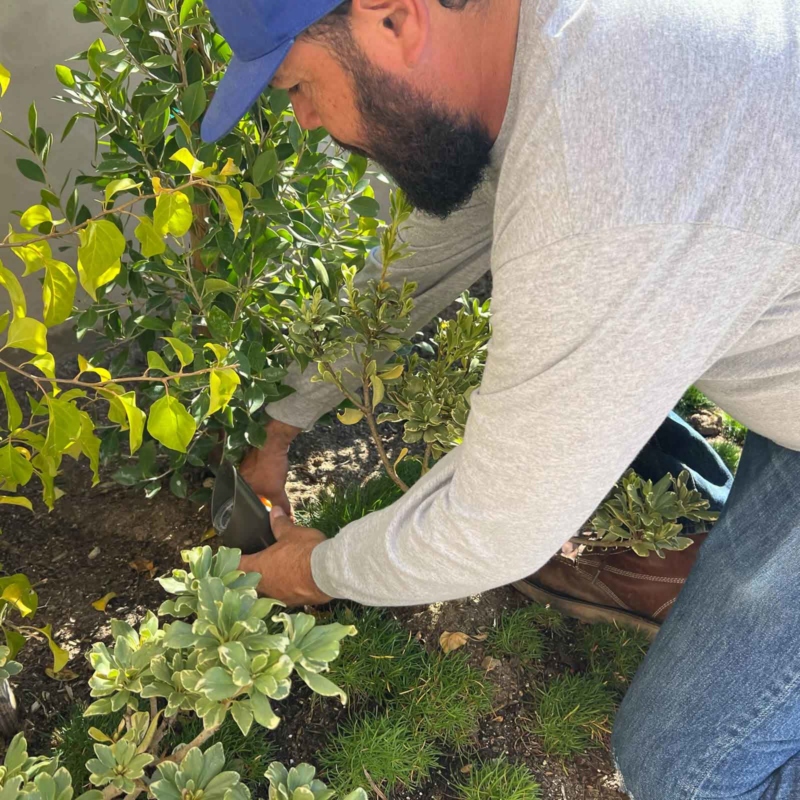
239 515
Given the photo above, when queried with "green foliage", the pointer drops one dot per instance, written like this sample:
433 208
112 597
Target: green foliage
300 783
573 714
390 748
23 777
199 776
517 635
450 700
612 654
548 618
692 402
499 780
732 430
383 662
646 516
730 453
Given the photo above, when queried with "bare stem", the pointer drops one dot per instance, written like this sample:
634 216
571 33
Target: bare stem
376 436
426 459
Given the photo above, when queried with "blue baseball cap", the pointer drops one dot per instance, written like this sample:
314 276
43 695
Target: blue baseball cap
260 33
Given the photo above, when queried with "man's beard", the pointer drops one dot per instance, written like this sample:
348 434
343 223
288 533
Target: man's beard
436 157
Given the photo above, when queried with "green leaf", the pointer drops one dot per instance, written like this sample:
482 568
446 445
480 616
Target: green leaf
90 445
320 684
16 501
31 170
171 424
173 214
14 411
187 8
81 13
15 641
65 76
350 416
5 80
64 427
102 246
35 216
4 319
14 467
194 102
213 286
365 207
121 185
154 361
27 334
182 350
60 656
152 243
33 255
266 167
124 8
92 56
185 157
232 198
58 292
14 288
223 386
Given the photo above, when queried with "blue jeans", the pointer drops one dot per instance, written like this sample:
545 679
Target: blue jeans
714 711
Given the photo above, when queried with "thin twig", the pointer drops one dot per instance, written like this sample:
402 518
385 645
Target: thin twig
374 786
373 427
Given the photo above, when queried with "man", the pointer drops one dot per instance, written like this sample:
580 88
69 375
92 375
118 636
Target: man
627 169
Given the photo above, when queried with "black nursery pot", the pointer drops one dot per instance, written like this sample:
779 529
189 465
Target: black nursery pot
238 514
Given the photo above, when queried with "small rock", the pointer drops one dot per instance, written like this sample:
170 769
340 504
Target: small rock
93 555
706 423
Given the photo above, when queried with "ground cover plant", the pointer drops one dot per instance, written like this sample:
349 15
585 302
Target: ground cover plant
499 780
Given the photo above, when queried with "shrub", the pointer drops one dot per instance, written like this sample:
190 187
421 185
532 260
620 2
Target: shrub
730 453
499 780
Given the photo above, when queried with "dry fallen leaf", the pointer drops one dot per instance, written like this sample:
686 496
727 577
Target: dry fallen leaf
63 675
490 663
481 637
466 769
209 534
450 641
101 604
143 565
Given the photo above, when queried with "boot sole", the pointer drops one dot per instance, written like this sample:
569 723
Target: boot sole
587 612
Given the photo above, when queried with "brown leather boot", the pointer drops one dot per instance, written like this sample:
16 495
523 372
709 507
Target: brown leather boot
614 586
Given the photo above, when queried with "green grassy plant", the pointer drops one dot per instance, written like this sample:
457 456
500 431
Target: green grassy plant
450 701
692 402
573 714
732 430
612 654
499 780
334 508
390 748
548 618
730 453
382 662
517 635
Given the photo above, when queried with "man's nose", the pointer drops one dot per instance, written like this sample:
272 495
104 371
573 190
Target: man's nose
306 114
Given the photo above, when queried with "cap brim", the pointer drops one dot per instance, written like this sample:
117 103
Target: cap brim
240 87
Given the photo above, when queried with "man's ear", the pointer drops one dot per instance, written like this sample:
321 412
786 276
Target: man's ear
399 29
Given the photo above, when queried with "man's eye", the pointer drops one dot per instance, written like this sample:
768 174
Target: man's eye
294 89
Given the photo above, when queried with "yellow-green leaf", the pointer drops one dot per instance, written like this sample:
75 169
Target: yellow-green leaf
101 604
14 411
232 198
15 469
5 317
58 292
14 288
230 169
18 592
136 418
35 216
34 255
64 427
90 445
392 373
184 156
403 454
102 246
121 185
16 501
65 76
378 390
85 366
152 243
350 416
27 334
154 361
5 79
173 214
60 656
182 350
171 424
218 350
223 387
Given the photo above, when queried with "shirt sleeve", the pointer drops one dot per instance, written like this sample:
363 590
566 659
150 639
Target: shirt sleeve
595 340
446 259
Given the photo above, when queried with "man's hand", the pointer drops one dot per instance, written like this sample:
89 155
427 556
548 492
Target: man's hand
265 470
286 566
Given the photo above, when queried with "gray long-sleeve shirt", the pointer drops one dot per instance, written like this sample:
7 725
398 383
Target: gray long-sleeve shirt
642 222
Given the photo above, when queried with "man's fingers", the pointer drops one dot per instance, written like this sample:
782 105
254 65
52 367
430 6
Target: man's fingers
281 523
